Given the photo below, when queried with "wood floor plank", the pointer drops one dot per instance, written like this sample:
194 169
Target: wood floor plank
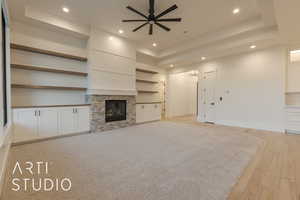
287 190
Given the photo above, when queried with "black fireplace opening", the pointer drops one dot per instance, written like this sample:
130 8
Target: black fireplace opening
115 110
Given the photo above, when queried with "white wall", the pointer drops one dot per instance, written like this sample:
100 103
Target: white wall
5 132
253 89
181 94
112 63
40 37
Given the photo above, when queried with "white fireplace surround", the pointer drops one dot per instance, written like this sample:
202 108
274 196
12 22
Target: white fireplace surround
111 92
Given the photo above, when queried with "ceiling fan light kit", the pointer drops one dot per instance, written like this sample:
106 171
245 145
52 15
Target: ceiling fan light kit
151 19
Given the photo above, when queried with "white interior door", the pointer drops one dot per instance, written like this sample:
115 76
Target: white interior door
209 80
48 122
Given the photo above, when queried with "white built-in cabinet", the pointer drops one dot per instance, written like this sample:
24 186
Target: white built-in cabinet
37 123
148 112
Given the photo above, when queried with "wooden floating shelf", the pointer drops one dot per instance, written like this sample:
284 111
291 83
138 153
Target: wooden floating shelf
147 91
46 87
148 102
146 81
52 106
44 69
146 71
47 52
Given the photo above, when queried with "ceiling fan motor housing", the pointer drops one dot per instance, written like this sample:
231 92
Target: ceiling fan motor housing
152 19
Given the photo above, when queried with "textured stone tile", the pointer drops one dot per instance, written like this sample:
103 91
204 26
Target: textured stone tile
97 112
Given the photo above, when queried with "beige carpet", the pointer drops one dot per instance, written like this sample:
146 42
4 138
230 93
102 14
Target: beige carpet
157 161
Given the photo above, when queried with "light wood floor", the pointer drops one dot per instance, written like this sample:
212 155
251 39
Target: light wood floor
274 172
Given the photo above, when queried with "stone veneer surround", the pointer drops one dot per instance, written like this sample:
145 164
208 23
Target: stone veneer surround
97 112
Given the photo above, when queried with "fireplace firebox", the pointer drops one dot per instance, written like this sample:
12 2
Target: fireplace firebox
115 110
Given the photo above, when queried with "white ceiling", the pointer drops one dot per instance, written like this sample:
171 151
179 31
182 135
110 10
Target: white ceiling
212 29
199 16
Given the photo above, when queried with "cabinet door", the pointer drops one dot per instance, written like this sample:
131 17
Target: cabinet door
157 112
66 120
82 119
140 113
48 122
25 123
148 112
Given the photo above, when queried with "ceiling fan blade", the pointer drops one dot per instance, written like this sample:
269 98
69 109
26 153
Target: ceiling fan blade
137 12
167 11
135 20
151 29
151 10
169 20
141 26
162 26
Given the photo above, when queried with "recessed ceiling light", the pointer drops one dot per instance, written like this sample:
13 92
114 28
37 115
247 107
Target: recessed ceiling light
171 65
253 46
121 31
154 44
203 58
65 9
236 11
110 38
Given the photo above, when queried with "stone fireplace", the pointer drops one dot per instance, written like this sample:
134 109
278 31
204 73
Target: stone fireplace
109 112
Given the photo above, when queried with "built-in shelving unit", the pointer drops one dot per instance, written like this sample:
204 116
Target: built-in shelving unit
147 85
295 92
146 81
146 71
147 91
32 65
47 52
45 69
51 106
46 87
158 102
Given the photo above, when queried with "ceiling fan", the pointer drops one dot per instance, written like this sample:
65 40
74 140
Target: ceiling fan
151 19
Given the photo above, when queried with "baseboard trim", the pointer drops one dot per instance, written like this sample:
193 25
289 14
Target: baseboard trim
292 132
49 138
140 123
256 126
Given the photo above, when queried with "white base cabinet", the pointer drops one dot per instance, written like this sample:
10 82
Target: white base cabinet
35 123
148 112
25 125
74 120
